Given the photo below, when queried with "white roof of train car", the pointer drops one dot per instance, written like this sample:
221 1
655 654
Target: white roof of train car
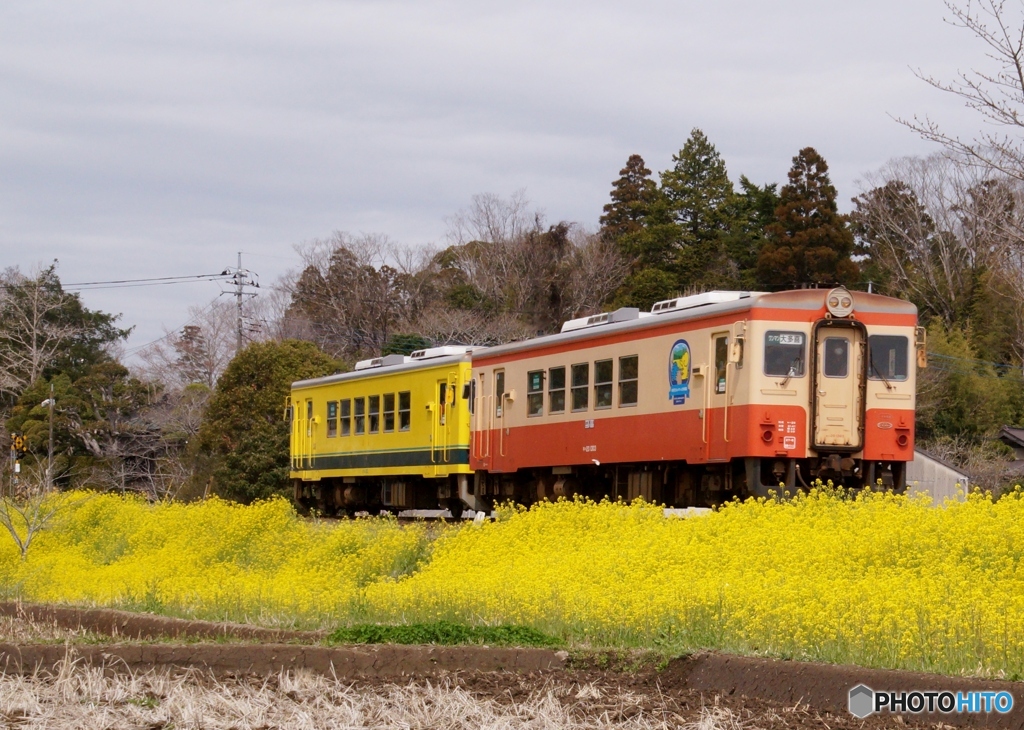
698 307
373 372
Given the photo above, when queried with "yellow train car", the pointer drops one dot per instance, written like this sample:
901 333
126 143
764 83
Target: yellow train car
391 435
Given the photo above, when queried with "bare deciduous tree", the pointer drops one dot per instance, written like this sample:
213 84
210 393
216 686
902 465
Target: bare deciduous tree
349 293
493 219
997 94
931 225
199 351
596 269
31 505
31 331
446 326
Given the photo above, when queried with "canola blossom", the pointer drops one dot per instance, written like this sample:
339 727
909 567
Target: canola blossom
214 559
874 579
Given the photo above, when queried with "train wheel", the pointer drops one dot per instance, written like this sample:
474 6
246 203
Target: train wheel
456 507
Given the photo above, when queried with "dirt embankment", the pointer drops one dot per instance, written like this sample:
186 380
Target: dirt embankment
738 682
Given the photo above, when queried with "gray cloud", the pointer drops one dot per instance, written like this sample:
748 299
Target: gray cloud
144 139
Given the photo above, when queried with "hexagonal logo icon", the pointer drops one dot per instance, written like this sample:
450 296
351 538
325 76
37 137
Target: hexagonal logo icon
862 701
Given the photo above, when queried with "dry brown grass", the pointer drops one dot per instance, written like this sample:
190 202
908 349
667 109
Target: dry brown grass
85 697
21 630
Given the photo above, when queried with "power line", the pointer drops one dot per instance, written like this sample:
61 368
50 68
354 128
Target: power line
158 278
127 283
969 359
139 348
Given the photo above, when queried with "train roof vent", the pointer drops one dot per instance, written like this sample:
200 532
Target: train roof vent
698 300
623 314
382 362
444 351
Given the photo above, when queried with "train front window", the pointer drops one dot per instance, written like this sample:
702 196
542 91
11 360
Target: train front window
837 357
556 390
784 354
887 357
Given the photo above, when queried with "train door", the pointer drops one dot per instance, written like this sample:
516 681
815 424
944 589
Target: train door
717 399
499 433
303 434
480 434
838 388
440 426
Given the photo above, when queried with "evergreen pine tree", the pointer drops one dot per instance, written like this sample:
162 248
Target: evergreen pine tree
700 200
754 210
632 196
809 243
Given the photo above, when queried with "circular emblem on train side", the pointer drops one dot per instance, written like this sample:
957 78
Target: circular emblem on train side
679 372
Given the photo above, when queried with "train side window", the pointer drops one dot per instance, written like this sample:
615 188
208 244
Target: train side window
389 412
360 416
332 418
603 384
628 375
784 354
721 362
837 357
499 392
556 390
346 417
374 412
887 357
535 393
404 411
469 394
580 386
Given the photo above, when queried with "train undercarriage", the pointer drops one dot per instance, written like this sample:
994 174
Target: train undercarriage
674 484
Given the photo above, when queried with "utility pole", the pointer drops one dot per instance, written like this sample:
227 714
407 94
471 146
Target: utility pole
49 452
241 278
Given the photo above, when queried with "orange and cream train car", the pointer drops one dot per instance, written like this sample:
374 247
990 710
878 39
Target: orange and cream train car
705 398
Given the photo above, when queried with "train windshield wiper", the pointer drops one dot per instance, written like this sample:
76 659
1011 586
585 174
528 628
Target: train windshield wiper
874 366
792 372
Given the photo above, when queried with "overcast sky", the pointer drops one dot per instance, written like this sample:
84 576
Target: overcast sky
143 139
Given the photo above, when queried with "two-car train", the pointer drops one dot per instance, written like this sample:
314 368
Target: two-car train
703 399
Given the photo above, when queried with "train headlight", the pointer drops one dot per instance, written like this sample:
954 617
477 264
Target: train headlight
839 302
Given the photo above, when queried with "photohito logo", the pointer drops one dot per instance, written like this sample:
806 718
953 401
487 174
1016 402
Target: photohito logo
864 701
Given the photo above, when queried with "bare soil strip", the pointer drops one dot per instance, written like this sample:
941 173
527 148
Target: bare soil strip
820 688
362 661
126 625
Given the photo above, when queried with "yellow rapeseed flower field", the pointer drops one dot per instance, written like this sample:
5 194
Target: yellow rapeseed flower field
875 579
213 559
